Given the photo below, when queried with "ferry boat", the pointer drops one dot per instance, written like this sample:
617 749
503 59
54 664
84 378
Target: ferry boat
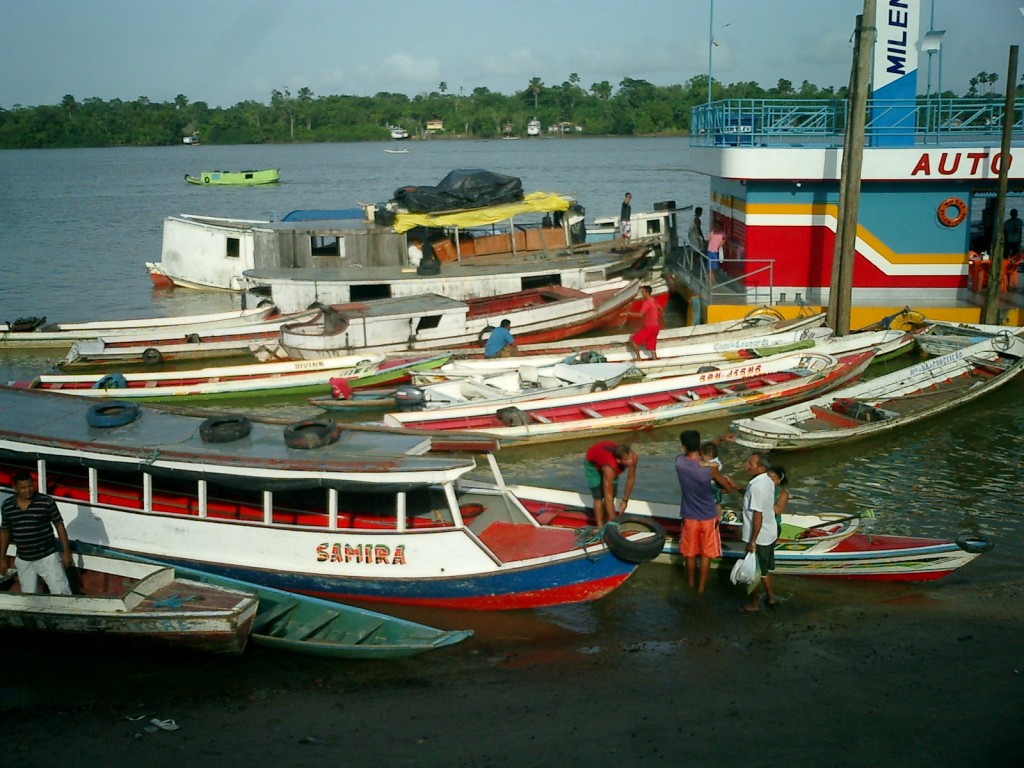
927 195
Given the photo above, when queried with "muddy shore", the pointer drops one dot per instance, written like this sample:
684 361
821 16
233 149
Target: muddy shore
838 675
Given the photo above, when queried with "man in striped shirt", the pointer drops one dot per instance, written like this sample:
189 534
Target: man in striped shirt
29 519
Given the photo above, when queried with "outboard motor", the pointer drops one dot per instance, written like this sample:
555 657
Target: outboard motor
410 398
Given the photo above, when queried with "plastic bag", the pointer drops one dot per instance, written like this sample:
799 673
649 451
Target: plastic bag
745 570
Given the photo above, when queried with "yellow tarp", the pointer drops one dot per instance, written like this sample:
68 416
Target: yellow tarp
535 202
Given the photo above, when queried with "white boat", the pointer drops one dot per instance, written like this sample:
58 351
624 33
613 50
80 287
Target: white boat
431 322
398 133
341 514
156 346
732 390
533 127
525 382
30 332
888 402
113 598
941 338
277 379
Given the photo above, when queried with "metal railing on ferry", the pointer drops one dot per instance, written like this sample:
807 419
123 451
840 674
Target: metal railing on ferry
822 122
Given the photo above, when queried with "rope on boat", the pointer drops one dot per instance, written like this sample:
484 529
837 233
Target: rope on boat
590 535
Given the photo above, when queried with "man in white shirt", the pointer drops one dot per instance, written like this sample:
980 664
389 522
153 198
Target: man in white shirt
759 528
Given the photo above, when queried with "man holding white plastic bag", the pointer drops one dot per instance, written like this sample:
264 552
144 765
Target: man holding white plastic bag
759 528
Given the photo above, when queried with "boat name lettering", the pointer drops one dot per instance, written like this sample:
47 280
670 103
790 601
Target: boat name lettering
369 554
896 46
747 370
309 365
948 163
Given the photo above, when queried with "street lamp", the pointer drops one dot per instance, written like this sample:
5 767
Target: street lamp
711 43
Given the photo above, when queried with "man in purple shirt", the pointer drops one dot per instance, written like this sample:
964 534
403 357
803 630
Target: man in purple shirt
698 509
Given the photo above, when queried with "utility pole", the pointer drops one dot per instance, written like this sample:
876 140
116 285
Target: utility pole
993 291
841 286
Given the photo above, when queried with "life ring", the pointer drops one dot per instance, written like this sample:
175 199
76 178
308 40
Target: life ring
312 433
206 179
151 356
224 429
116 413
631 550
961 212
974 544
111 381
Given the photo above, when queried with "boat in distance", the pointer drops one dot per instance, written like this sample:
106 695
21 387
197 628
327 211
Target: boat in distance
888 402
236 178
310 507
113 598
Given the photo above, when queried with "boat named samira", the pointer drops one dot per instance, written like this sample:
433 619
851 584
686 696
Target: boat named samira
113 598
290 377
342 514
888 402
825 545
236 178
740 388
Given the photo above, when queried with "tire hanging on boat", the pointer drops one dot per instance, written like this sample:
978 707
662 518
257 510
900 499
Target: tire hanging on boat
631 550
116 413
974 544
312 433
151 356
224 429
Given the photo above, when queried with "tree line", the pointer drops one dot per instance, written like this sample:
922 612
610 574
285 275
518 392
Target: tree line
633 108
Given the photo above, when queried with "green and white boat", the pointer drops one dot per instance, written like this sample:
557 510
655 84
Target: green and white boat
236 178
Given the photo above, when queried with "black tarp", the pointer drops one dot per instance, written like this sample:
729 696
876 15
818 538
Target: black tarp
473 188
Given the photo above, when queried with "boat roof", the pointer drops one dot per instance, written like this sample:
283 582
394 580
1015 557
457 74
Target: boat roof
535 202
44 425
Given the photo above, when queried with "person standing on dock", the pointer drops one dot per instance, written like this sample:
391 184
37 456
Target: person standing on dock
29 520
602 465
1012 230
695 237
625 217
715 241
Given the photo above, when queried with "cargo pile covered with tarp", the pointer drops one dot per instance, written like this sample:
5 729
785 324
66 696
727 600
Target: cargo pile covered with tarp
458 190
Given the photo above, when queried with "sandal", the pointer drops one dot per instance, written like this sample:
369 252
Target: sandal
750 608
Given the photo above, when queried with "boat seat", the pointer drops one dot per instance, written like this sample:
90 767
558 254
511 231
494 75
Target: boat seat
590 412
268 617
540 418
636 406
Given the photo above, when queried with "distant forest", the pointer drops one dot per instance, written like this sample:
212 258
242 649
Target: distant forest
635 108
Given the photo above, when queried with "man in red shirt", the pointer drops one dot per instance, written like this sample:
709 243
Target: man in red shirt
603 464
647 336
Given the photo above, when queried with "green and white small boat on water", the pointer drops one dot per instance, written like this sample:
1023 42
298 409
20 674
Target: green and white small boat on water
236 178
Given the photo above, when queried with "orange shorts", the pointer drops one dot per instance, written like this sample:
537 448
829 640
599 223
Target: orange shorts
647 337
700 537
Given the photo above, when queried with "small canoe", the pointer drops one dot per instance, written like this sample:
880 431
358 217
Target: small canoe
289 621
292 377
236 178
889 402
33 332
137 601
941 338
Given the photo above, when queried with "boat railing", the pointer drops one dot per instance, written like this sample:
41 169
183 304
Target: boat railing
822 122
756 284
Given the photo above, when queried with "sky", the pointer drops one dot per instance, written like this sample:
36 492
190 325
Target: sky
226 51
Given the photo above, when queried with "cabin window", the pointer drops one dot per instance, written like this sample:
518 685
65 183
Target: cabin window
541 281
234 248
428 322
369 292
327 245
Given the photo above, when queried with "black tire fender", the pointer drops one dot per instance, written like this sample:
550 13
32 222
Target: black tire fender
152 356
598 386
312 433
224 429
974 544
631 550
116 413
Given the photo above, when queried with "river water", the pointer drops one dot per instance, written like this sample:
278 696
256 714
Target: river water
76 227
